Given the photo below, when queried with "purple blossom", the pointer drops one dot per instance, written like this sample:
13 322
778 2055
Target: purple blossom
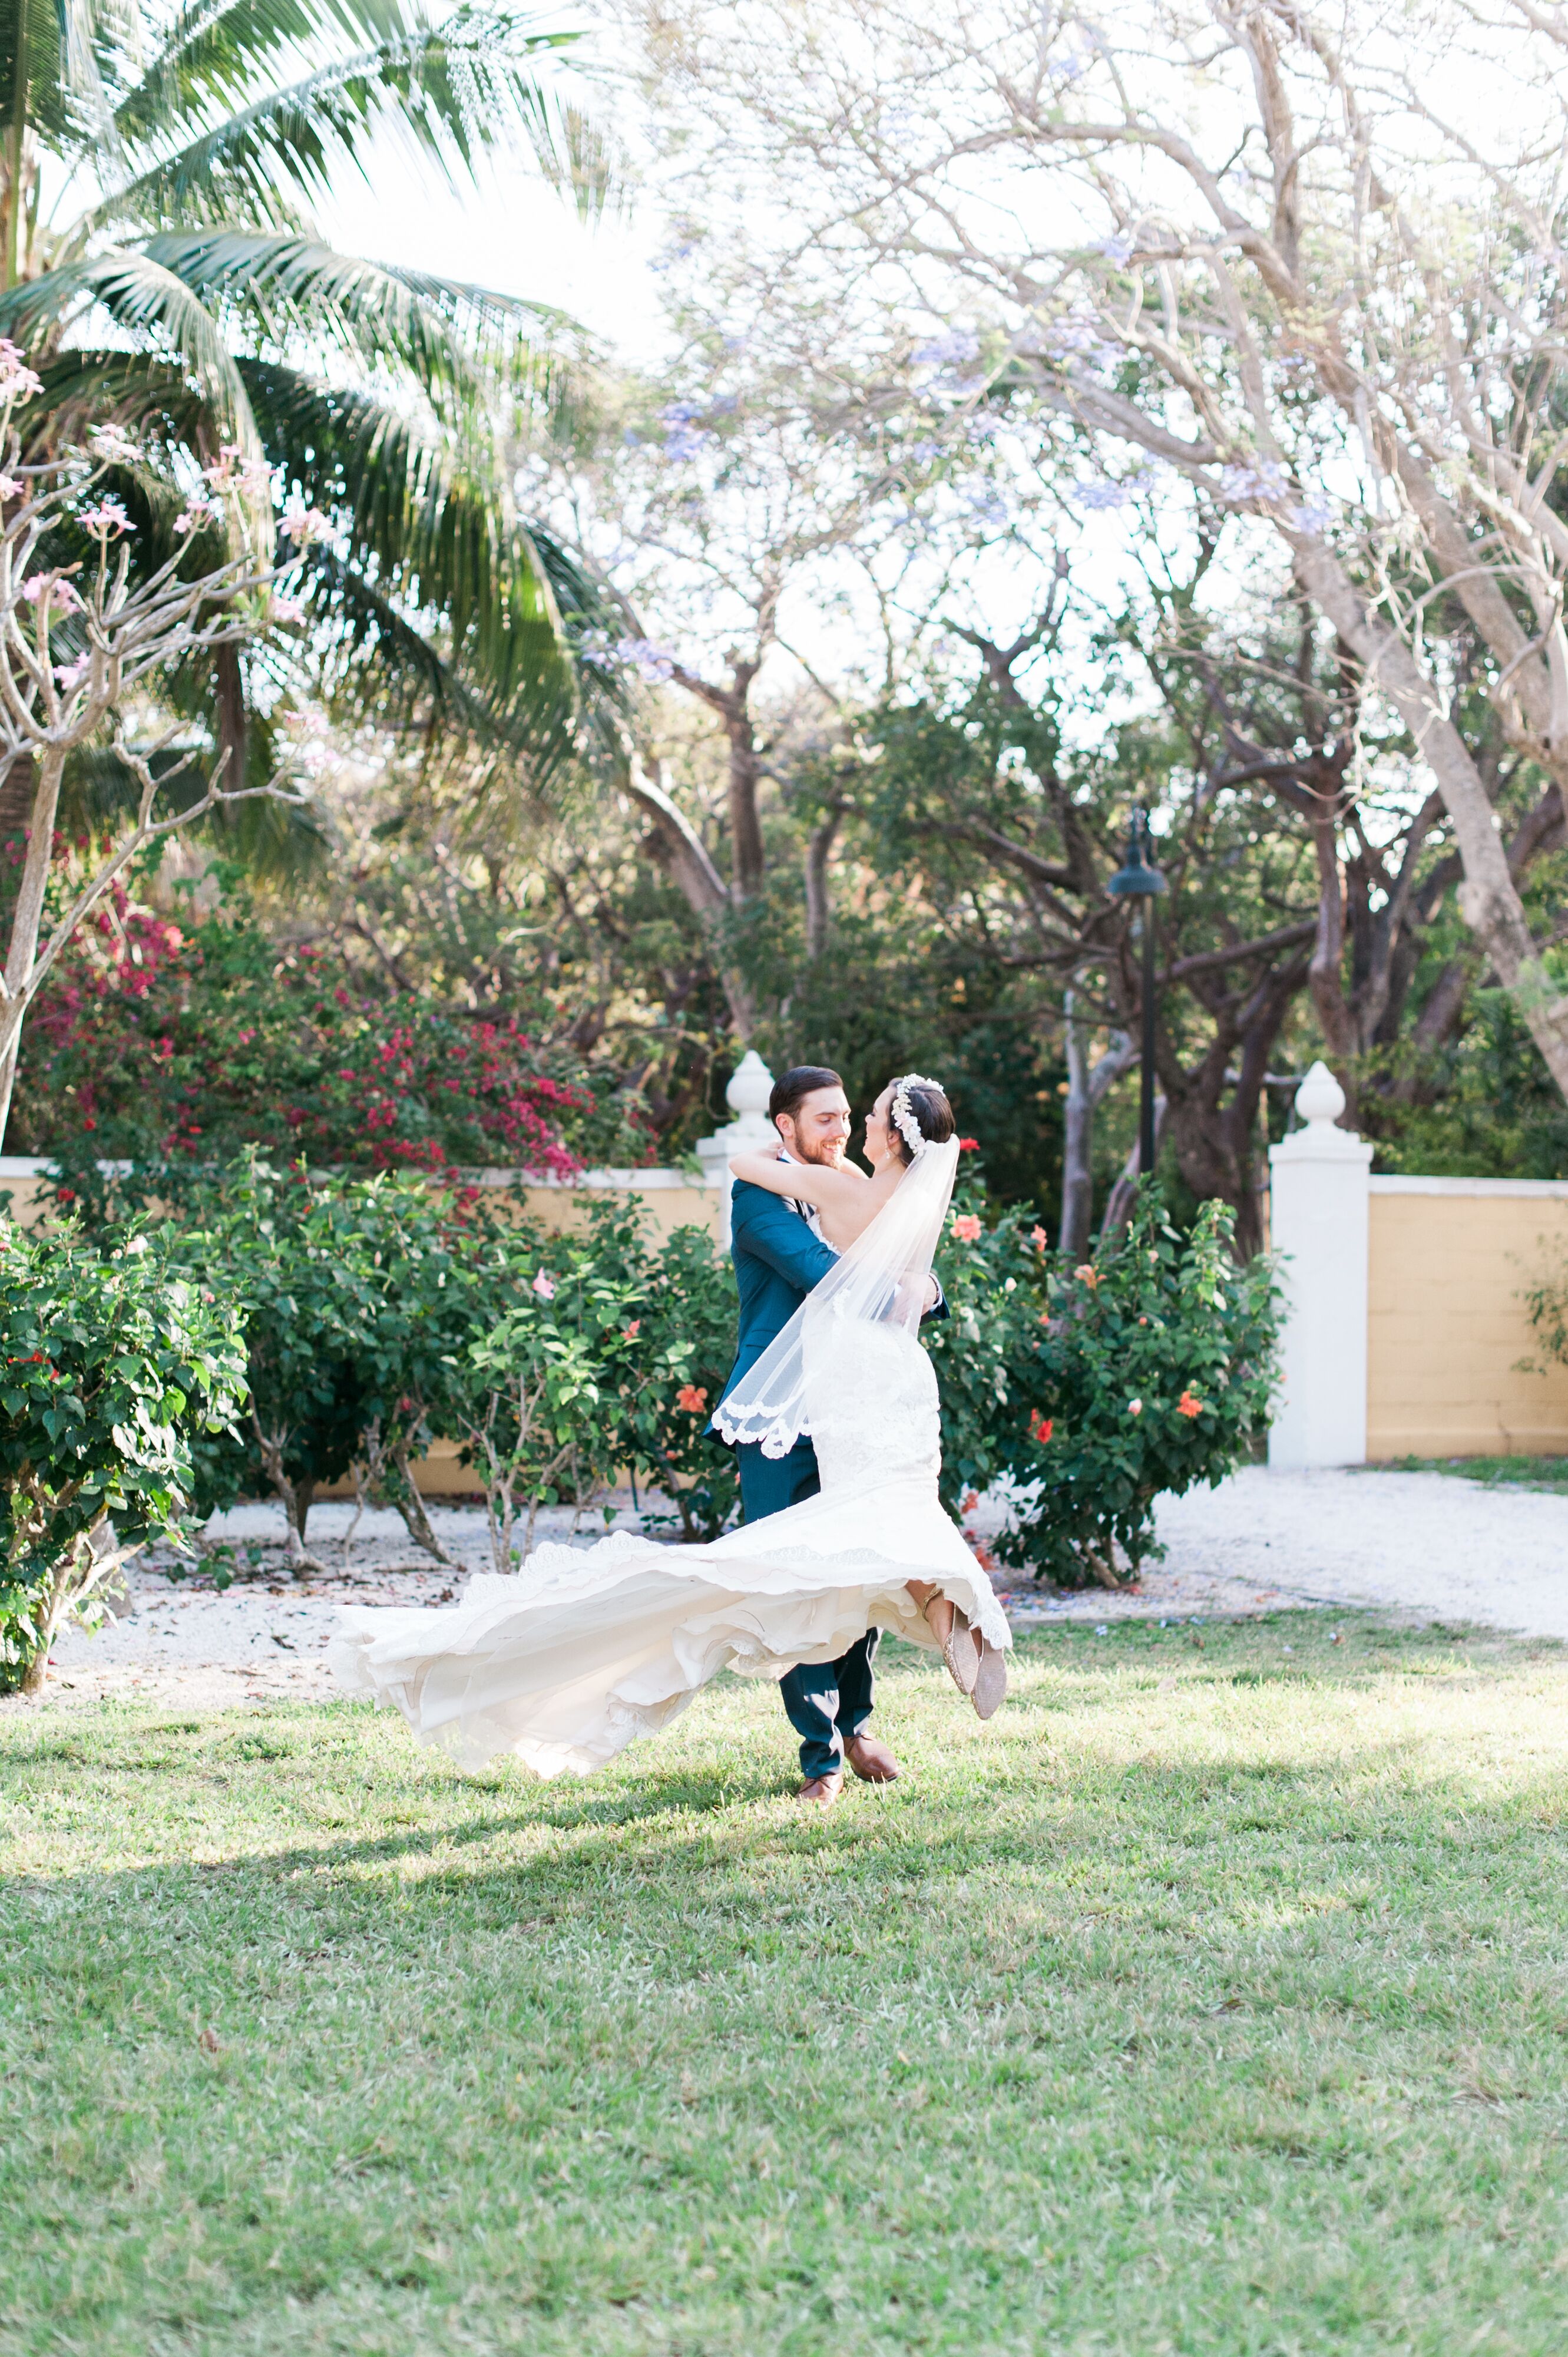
950 350
642 656
1113 495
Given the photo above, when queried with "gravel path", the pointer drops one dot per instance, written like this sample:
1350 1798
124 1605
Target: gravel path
1421 1542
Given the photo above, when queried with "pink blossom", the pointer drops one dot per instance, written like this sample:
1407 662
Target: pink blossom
288 610
966 1228
10 489
72 674
1039 1239
16 380
303 525
61 597
107 518
544 1286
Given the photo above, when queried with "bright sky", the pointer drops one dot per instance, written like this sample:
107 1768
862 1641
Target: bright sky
513 235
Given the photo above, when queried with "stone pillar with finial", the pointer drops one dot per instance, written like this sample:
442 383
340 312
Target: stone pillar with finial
751 1132
1319 1183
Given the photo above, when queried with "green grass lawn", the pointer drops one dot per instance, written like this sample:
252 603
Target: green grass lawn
1214 2000
1499 1473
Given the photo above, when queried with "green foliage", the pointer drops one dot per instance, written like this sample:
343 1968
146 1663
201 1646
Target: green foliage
329 1280
194 303
606 1356
117 1369
157 1042
383 1314
1094 1390
1484 1105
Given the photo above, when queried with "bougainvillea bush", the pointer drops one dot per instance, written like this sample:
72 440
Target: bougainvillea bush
1092 1389
162 1040
116 1365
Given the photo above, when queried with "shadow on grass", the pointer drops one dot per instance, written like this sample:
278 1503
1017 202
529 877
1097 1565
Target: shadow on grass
706 1834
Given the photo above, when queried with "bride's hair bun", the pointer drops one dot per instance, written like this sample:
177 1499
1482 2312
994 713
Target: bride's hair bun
920 1105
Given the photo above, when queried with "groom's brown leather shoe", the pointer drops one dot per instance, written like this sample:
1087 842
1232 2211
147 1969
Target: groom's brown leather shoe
872 1761
821 1791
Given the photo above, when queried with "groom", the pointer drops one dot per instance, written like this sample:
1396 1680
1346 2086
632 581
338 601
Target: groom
778 1256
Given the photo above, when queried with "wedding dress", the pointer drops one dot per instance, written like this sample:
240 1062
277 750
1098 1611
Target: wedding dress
582 1651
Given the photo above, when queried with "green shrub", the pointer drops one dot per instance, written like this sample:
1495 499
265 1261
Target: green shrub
603 1361
383 1314
320 1275
116 1366
1095 1389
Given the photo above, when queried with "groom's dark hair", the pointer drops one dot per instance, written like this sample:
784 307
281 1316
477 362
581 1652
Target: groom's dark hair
799 1082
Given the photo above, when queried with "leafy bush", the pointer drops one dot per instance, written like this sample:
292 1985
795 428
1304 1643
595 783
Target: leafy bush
158 1041
606 1357
115 1368
1095 1389
383 1314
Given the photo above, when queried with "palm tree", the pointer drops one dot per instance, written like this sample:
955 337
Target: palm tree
190 298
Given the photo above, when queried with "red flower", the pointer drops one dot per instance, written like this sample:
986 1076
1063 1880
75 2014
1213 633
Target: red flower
1188 1406
969 1145
1040 1426
691 1399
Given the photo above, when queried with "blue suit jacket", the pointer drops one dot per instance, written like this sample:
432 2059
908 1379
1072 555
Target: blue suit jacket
778 1259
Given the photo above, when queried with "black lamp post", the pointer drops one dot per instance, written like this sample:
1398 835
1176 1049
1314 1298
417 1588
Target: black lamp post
1138 879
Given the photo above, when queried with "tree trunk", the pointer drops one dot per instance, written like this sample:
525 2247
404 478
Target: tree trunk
416 1521
26 920
682 849
231 717
1119 1208
819 904
1488 898
1086 1091
744 820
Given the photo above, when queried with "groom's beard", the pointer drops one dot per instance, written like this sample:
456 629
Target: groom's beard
829 1156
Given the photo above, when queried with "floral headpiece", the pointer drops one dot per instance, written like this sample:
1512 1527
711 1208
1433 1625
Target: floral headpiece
902 1113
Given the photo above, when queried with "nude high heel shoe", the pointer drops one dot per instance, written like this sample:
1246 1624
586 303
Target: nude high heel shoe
960 1645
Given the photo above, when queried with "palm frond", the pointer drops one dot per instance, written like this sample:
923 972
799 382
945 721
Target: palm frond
435 533
459 92
460 343
140 295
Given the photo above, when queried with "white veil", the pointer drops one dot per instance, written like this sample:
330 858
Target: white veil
880 1280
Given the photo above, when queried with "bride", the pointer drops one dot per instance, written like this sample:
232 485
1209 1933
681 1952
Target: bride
584 1650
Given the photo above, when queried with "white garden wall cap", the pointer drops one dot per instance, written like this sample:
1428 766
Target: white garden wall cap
1320 1141
1399 1182
1320 1101
750 1086
1320 1098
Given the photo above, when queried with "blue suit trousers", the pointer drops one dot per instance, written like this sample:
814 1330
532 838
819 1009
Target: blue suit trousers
827 1702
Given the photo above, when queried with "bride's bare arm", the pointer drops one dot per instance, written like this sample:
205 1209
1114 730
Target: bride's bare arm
804 1182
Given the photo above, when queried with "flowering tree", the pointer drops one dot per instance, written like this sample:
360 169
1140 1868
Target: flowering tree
77 642
1275 256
